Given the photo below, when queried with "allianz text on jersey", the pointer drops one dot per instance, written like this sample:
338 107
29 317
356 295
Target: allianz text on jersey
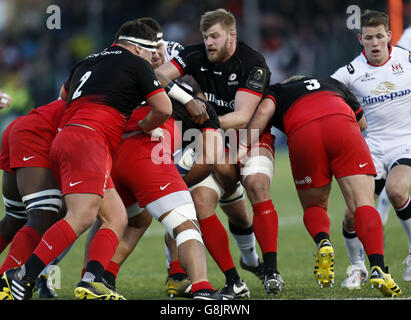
221 103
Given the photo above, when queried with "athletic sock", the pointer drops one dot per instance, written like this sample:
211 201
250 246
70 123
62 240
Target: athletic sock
265 223
22 246
404 215
354 247
102 249
176 268
113 268
368 227
56 239
317 223
202 285
216 241
245 240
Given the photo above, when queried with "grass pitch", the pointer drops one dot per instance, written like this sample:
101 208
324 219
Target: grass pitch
143 275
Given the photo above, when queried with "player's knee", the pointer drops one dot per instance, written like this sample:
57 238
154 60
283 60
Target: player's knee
182 221
258 187
236 196
396 194
140 221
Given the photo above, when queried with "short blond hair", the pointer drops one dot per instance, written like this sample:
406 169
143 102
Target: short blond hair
220 15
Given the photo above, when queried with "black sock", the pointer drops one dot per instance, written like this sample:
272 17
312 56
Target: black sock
321 236
270 262
377 260
231 275
94 271
33 268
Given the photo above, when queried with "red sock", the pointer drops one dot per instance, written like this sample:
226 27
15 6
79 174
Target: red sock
113 268
216 241
202 285
3 243
265 223
21 248
316 220
368 227
56 239
175 267
103 246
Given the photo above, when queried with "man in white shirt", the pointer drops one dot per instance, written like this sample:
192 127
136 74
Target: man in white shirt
380 78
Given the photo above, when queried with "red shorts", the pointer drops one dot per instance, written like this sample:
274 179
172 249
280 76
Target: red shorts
142 172
329 145
81 161
29 140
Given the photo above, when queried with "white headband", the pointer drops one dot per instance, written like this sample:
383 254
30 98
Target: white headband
142 43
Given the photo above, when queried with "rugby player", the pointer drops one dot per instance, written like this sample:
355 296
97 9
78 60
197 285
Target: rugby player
233 78
319 117
380 78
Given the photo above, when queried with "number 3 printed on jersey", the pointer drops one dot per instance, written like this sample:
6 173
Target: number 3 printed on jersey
312 84
83 80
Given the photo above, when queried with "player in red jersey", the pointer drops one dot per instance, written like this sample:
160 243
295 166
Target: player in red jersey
319 117
101 93
31 194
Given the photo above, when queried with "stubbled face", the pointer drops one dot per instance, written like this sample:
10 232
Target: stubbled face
158 56
218 42
375 41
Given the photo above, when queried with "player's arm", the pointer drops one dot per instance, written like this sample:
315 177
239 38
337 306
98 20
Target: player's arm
161 110
245 104
169 70
195 108
362 123
257 125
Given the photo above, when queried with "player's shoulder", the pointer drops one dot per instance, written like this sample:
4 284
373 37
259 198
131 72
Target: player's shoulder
401 53
249 55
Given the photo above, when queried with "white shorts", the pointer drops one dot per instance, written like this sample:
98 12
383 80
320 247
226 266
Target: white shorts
385 155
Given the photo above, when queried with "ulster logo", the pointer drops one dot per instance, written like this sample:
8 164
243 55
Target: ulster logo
397 68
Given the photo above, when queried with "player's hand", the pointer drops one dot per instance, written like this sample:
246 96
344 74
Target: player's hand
197 110
5 100
156 134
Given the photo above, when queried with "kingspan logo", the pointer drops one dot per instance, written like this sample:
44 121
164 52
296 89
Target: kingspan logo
385 92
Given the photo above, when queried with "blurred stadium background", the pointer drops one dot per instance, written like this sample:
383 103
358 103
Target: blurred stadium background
304 37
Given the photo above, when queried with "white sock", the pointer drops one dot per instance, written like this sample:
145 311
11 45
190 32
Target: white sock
384 206
245 241
354 247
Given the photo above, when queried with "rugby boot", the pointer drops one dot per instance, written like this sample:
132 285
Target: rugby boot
357 275
273 283
45 288
208 295
235 289
383 282
15 287
95 291
324 264
257 271
178 285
